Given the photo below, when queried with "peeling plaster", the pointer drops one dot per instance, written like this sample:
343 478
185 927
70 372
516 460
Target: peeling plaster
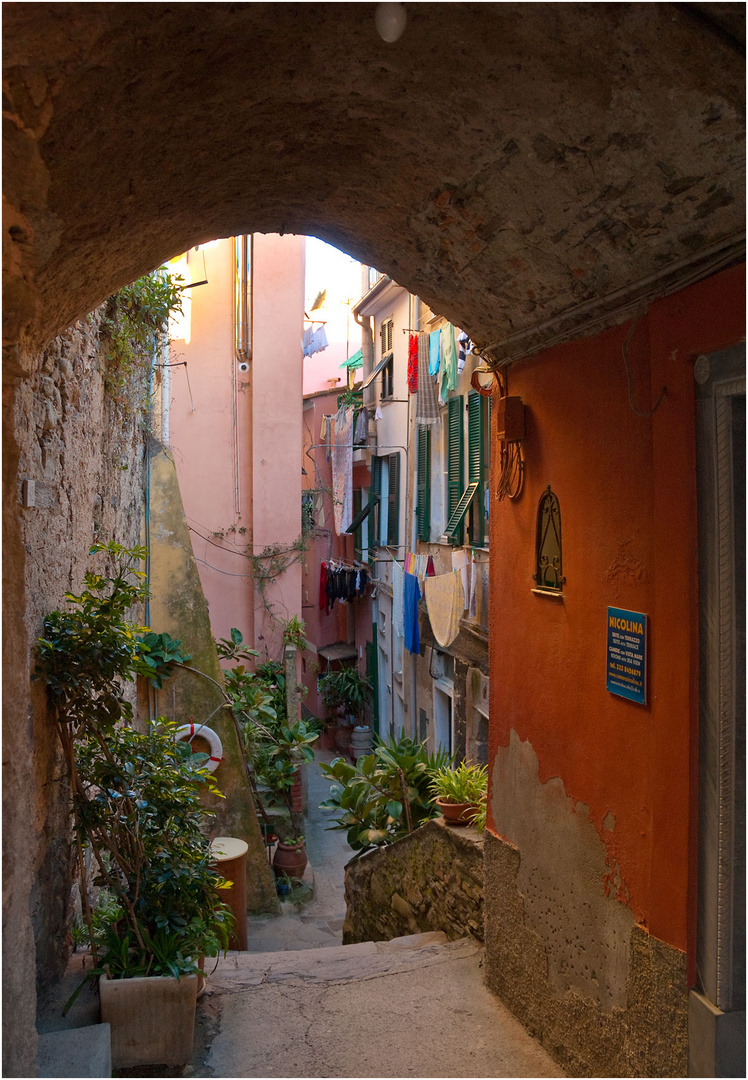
571 887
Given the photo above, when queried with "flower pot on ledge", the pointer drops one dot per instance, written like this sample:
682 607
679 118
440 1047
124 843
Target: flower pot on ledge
457 813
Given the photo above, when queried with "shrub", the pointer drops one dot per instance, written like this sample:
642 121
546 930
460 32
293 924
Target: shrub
385 795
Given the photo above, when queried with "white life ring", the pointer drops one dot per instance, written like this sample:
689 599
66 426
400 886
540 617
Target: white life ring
188 731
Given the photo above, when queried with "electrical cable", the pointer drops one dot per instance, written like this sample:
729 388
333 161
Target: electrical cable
630 377
512 465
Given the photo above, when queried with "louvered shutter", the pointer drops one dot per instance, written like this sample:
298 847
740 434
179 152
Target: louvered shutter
374 492
358 535
455 464
423 493
393 501
476 441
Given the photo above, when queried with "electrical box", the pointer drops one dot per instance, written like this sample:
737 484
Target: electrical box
510 419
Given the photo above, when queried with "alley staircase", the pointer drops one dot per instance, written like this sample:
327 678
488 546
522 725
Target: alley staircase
414 1006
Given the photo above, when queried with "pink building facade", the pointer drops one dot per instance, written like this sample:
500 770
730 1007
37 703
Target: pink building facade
232 410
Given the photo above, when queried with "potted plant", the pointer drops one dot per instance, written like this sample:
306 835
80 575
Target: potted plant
385 795
460 793
137 807
349 693
290 857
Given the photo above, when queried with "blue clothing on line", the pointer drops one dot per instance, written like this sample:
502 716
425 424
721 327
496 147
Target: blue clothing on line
412 596
435 342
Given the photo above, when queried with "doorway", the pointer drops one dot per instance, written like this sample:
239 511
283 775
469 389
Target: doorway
717 1006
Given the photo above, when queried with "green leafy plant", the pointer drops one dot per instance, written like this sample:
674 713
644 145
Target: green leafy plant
294 631
385 795
135 322
346 689
272 747
136 797
463 784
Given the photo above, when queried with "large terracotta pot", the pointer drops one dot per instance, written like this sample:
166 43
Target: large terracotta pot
290 859
343 737
152 1019
457 813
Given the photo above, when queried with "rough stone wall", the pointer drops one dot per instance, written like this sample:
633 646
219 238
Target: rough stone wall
81 469
430 880
586 1034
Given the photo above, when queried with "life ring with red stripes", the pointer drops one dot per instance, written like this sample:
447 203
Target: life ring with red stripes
188 731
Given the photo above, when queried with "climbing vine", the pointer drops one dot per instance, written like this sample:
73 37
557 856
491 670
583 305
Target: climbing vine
134 324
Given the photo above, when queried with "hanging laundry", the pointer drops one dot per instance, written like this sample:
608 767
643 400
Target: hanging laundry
430 569
427 410
398 599
361 434
412 594
379 415
449 362
464 345
460 562
445 601
473 576
342 582
435 338
306 342
413 363
342 469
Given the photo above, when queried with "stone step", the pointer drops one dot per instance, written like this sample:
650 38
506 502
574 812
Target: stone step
338 963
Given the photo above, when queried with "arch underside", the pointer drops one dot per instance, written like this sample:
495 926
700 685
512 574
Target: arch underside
507 162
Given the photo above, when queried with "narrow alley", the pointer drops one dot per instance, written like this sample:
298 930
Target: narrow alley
301 1004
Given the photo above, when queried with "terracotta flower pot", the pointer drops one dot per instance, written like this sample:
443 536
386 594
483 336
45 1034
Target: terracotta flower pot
457 813
290 859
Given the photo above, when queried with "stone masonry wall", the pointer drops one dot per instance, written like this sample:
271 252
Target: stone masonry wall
430 880
80 480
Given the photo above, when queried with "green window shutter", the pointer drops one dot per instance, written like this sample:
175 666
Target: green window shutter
374 492
476 443
423 493
393 501
454 525
358 532
455 464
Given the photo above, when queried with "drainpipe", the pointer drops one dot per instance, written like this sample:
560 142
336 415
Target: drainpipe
413 689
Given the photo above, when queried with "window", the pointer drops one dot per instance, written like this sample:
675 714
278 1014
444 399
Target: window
386 333
479 466
455 471
358 531
386 388
473 498
423 485
384 520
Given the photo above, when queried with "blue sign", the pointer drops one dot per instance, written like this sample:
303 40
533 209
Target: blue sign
627 654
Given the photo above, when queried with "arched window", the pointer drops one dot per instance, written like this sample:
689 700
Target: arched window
548 574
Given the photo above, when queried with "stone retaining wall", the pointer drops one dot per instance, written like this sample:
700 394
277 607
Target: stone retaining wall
431 880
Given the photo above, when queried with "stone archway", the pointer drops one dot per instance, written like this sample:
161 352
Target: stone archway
520 166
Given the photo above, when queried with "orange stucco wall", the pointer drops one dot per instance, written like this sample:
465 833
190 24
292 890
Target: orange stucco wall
627 492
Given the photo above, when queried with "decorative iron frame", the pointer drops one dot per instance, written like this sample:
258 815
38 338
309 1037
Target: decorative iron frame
548 576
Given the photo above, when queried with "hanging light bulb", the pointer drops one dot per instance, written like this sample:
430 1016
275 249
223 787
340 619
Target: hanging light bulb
390 20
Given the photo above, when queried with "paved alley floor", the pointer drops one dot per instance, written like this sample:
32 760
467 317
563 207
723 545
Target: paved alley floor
320 922
298 1003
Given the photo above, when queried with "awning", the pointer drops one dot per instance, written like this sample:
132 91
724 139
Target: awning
377 369
354 362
